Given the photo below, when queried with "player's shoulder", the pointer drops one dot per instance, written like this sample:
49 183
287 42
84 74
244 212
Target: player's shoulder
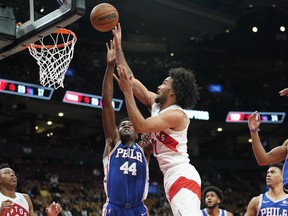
23 194
252 207
255 200
176 118
178 111
26 196
175 113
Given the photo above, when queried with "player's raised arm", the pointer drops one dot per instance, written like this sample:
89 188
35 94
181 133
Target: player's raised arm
264 158
170 119
139 90
108 114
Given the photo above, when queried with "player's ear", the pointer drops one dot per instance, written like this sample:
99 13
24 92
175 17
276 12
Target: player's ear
172 93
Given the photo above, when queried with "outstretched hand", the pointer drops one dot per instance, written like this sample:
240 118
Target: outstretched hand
117 33
54 209
283 92
124 81
111 53
254 121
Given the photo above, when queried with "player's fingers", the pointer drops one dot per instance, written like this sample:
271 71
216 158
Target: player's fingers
257 116
254 115
58 207
116 78
111 44
7 204
118 70
130 77
121 72
283 92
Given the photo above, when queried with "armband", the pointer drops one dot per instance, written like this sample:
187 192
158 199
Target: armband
254 130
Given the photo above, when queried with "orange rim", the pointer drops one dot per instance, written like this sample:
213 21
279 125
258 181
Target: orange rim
57 31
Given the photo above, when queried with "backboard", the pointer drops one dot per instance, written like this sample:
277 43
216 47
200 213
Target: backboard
39 18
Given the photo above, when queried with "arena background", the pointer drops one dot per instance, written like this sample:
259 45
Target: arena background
213 38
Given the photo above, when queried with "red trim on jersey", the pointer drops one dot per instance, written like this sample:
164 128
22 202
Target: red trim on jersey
183 182
167 140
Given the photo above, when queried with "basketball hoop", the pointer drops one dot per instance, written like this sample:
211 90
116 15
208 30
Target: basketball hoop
54 59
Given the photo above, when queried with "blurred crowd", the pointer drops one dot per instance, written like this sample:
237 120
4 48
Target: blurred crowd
249 78
80 191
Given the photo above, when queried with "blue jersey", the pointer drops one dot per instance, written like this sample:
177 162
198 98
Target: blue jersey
269 207
126 175
285 174
222 212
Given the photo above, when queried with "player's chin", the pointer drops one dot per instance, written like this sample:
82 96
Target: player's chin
126 136
210 205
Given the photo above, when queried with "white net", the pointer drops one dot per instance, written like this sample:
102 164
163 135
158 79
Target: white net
54 59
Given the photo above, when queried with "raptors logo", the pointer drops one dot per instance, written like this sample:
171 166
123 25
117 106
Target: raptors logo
16 210
167 140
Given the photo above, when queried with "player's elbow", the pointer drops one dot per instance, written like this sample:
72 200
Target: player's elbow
262 163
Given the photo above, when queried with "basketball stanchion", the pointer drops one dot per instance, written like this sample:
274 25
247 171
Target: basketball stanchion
54 54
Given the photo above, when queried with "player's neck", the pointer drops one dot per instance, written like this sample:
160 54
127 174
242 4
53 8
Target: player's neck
8 192
128 143
167 104
276 192
213 211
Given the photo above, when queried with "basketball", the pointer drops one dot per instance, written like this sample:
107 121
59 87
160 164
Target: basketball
104 17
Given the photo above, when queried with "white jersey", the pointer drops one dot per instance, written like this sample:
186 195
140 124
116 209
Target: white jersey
20 205
182 182
169 146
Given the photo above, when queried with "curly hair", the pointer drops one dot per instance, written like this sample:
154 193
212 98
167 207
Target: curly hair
185 87
215 190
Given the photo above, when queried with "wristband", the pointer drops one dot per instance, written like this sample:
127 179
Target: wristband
254 130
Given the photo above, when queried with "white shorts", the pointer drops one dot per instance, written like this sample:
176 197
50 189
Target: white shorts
183 190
